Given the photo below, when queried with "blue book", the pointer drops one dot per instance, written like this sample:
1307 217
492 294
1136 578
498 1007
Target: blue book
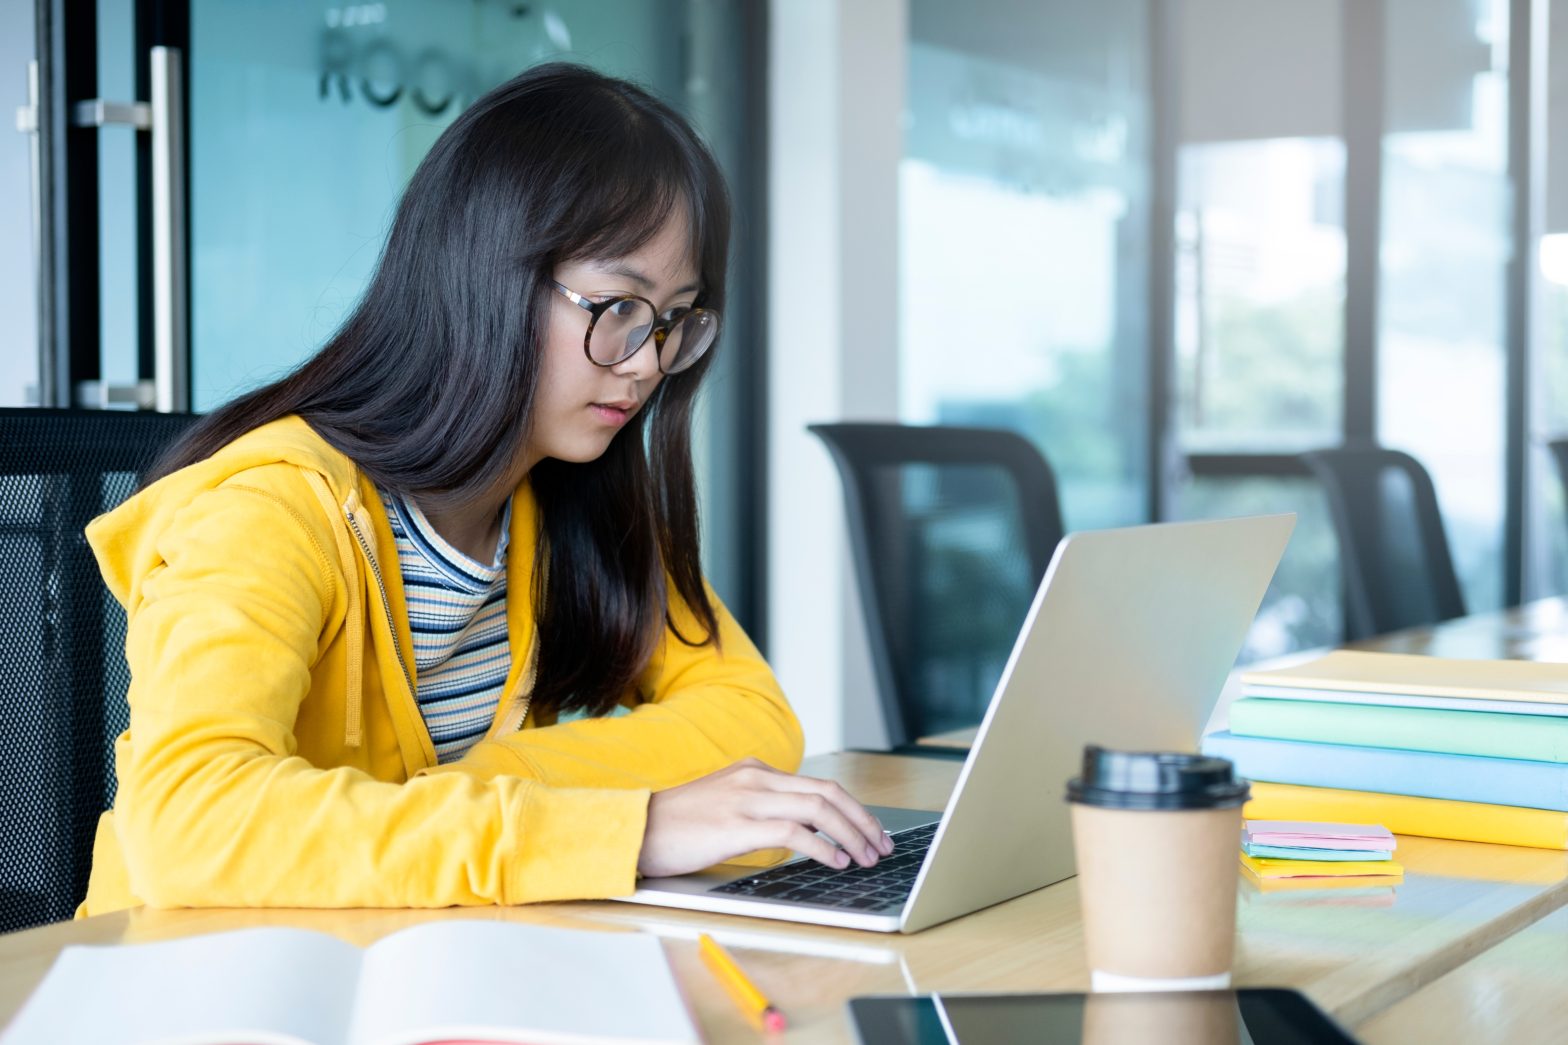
1426 774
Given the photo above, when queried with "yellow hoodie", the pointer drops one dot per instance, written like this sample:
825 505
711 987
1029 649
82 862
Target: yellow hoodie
276 756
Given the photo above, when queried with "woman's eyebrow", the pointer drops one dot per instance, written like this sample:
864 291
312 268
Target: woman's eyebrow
643 281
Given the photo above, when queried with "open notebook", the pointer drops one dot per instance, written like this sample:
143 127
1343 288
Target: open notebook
441 982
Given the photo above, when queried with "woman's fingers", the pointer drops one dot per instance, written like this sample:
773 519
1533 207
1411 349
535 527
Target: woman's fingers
749 806
812 811
867 827
804 840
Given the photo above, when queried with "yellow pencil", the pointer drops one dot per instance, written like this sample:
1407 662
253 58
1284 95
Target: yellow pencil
746 995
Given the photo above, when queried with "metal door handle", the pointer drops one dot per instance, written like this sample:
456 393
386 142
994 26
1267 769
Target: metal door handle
27 123
171 354
162 116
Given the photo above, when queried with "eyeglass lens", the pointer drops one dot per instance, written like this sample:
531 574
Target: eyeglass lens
623 327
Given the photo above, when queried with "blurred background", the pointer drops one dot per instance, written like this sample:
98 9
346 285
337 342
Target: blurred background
1173 243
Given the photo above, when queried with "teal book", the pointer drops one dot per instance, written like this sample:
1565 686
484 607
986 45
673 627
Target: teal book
1535 738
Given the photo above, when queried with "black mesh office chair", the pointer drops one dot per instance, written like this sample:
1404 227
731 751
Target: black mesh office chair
952 529
1396 563
62 658
1559 449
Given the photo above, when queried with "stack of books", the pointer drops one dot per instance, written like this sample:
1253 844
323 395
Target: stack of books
1308 849
1468 749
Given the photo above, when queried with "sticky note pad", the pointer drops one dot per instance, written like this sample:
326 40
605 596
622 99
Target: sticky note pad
1295 852
1309 834
1265 867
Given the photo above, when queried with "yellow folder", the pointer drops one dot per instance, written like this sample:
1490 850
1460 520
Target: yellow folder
1408 815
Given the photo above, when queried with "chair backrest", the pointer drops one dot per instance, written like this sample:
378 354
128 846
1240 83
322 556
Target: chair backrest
1559 449
952 529
63 676
1396 563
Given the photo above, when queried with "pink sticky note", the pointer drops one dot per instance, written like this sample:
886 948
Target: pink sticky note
1313 834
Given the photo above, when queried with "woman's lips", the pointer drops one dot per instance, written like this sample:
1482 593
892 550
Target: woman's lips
616 414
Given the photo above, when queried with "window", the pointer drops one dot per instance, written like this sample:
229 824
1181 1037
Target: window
1024 230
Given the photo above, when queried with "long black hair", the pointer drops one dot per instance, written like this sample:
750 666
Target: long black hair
429 384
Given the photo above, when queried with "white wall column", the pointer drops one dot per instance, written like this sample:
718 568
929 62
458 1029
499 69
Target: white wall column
836 112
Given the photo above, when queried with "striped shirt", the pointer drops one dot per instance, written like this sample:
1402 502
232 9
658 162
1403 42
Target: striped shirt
457 614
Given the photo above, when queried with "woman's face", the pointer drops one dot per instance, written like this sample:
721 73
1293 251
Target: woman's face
579 407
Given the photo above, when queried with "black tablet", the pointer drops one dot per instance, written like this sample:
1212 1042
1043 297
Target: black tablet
1249 1016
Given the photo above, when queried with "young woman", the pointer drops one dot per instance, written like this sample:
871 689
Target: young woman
381 611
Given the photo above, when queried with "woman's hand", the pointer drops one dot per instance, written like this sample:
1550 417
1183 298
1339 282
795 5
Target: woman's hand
749 806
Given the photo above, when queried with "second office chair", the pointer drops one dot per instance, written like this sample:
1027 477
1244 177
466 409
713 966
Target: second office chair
1397 567
952 529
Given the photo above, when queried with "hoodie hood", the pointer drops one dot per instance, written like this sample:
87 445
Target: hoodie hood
125 540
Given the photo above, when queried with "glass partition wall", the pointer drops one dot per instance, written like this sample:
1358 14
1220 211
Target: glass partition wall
1177 242
303 122
1024 235
1548 400
307 120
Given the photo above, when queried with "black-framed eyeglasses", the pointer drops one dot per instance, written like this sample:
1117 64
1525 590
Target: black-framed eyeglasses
618 327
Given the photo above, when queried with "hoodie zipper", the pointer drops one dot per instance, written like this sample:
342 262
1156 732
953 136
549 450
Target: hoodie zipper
513 724
386 603
513 721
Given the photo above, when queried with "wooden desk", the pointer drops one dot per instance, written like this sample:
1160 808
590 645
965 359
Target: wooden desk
1512 993
1535 631
1459 899
1379 963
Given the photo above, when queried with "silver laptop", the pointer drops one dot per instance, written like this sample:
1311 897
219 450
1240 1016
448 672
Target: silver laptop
1127 644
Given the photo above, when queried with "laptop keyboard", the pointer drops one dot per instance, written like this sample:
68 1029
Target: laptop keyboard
884 887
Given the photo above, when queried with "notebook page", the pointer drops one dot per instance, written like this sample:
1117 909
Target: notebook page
499 981
262 986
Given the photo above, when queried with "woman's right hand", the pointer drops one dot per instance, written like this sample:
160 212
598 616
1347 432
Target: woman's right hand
749 806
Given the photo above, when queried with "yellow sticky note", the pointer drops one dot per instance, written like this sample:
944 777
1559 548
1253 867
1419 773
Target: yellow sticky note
1270 867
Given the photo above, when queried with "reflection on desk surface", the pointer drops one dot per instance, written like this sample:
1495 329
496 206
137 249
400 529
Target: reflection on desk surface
1511 993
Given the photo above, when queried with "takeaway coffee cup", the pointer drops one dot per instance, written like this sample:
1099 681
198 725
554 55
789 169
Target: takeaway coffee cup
1156 836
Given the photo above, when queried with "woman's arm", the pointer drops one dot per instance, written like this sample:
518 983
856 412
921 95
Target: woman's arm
717 744
708 707
215 808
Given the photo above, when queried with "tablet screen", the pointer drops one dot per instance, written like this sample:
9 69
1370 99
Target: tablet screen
1241 1017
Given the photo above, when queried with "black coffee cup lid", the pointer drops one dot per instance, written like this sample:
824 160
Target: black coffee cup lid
1156 780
